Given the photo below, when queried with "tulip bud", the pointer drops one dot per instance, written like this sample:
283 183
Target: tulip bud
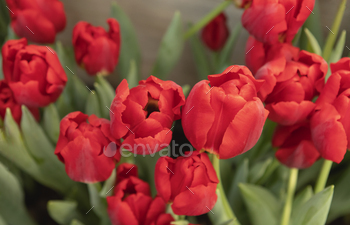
215 33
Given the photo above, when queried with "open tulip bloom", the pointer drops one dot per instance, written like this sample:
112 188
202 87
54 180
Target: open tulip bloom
264 143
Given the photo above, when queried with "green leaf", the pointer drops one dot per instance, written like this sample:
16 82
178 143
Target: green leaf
105 94
74 96
313 42
11 199
217 214
170 48
226 52
341 199
234 196
313 24
42 151
4 21
12 147
200 57
302 197
132 78
315 210
98 203
93 105
327 49
339 48
2 221
258 170
51 122
76 222
130 50
1 72
63 212
262 205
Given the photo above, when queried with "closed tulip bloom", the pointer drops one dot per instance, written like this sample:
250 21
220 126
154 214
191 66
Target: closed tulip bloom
37 20
225 118
7 100
143 116
215 33
81 146
96 50
34 73
295 146
273 21
331 122
132 204
188 182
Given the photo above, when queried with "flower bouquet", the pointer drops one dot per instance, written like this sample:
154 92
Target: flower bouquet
263 143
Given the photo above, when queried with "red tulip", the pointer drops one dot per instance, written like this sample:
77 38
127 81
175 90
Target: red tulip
34 73
273 21
295 146
81 147
188 182
7 100
132 203
292 79
215 33
37 20
225 118
331 122
143 115
126 170
96 50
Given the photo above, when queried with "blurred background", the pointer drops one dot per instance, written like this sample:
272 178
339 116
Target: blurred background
151 19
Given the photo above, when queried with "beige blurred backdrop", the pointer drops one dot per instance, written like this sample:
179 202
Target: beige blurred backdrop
151 18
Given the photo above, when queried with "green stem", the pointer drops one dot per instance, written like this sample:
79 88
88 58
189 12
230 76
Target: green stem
322 178
209 17
327 50
293 177
227 208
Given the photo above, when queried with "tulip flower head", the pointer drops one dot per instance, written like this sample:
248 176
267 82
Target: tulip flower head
225 118
143 116
37 20
96 50
34 73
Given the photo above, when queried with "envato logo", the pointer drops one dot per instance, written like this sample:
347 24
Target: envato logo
127 150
